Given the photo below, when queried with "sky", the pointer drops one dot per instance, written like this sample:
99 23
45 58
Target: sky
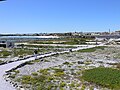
53 16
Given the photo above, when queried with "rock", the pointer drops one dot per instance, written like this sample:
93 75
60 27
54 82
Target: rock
80 62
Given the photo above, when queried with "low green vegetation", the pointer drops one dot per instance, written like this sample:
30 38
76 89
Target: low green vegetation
32 62
16 52
22 52
72 85
106 77
69 41
43 71
62 84
1 61
34 73
15 73
12 76
41 80
58 72
83 87
41 46
5 54
42 42
75 41
66 63
46 60
92 49
38 82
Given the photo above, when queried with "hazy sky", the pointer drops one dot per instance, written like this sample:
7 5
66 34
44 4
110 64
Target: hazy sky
36 16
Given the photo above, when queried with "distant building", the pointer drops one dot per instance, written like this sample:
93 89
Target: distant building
106 37
6 44
117 32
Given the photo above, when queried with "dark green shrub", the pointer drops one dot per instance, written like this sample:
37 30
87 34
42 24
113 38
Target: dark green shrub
34 74
66 63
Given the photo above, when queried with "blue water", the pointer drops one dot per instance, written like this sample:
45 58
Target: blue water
19 37
26 38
